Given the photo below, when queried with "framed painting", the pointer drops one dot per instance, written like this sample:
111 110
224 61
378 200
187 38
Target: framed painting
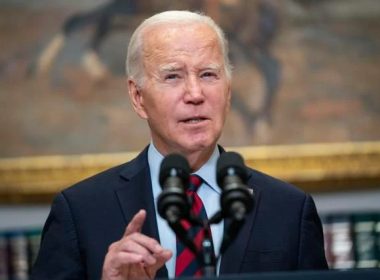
305 89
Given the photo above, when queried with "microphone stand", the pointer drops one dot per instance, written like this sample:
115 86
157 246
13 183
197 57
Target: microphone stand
206 255
230 234
181 233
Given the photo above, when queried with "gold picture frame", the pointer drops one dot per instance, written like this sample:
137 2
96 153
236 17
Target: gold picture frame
313 167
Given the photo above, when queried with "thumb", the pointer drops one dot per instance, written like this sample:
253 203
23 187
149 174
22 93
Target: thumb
135 225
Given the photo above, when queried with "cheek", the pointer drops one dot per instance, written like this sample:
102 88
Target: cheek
162 114
156 105
220 105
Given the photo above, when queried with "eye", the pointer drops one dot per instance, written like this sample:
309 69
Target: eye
209 74
172 76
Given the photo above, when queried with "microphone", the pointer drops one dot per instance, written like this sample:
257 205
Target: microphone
236 199
173 203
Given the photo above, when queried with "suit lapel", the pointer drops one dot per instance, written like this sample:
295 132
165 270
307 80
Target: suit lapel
137 194
234 255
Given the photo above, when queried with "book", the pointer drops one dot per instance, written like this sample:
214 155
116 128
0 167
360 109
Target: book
4 263
352 240
34 240
18 255
364 238
342 247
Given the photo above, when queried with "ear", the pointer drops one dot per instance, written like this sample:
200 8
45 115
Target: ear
229 94
137 99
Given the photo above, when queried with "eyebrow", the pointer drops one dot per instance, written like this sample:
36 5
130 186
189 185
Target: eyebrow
169 68
213 66
176 67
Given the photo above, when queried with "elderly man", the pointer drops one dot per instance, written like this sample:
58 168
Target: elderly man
108 227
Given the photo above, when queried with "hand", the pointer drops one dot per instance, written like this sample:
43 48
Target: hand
135 256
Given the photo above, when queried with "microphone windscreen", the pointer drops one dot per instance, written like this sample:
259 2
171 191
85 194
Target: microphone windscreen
227 162
174 165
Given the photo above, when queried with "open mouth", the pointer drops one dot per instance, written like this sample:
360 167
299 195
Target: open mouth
194 120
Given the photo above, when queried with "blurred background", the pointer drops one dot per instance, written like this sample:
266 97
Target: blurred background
305 72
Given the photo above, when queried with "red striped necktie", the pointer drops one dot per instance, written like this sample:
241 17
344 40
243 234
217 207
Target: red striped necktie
187 263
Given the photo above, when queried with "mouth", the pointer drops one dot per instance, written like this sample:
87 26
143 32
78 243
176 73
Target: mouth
194 120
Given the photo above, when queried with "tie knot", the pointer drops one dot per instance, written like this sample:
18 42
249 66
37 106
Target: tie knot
195 182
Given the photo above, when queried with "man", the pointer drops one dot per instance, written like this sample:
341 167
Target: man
107 226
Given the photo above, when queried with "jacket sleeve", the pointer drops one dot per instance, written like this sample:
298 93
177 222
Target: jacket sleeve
59 256
311 246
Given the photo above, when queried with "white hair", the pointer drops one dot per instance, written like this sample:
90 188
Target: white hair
134 65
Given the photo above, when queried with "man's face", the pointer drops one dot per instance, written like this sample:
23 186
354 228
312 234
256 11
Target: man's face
186 93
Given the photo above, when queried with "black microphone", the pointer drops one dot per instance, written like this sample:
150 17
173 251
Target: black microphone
173 203
236 199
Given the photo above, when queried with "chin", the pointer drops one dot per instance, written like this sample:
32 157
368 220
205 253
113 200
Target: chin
199 144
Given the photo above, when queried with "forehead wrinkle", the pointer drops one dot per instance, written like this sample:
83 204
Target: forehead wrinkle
156 45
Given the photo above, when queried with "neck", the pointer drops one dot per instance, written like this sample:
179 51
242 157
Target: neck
195 158
198 159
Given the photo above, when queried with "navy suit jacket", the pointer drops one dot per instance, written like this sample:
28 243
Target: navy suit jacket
283 232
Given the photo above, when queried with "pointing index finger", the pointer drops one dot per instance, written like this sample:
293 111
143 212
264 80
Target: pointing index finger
136 223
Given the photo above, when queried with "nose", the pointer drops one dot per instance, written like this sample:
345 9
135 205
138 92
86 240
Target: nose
193 91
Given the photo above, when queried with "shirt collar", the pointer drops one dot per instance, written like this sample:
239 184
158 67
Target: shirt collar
207 171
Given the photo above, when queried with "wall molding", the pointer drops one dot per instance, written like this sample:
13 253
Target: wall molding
312 167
